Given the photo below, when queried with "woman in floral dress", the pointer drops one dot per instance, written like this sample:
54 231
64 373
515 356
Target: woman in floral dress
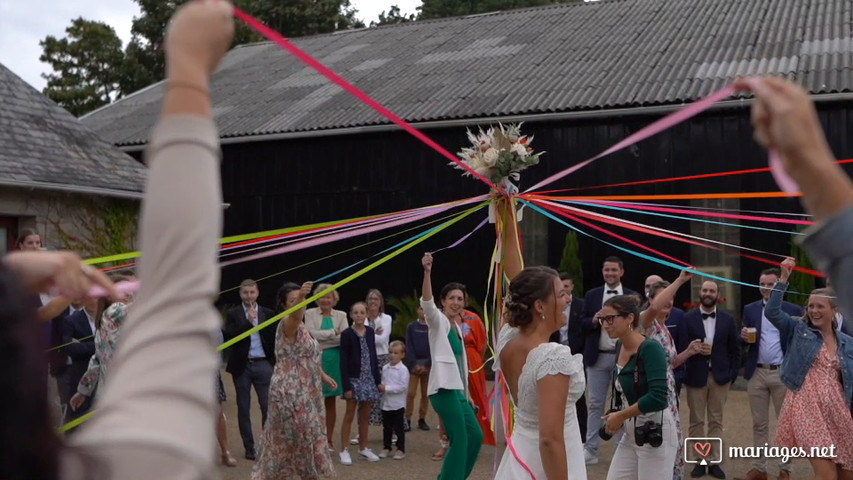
818 371
293 445
653 326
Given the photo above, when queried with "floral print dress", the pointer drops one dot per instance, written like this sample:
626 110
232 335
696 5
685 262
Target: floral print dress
293 445
105 345
659 333
817 415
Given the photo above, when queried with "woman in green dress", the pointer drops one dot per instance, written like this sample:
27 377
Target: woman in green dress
326 324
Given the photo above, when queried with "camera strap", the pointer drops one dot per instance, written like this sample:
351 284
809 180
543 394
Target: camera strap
616 397
638 365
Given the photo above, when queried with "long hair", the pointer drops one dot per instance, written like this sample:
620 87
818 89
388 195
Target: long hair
29 445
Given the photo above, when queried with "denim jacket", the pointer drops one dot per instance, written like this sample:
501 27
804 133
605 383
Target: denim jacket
804 343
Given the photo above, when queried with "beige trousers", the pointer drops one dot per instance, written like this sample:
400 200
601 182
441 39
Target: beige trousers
707 402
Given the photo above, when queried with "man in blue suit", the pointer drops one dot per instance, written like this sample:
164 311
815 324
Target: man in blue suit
709 375
599 354
765 350
79 336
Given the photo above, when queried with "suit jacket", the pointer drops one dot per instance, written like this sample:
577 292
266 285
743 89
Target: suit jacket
444 372
590 329
674 323
725 351
237 323
77 327
575 332
752 314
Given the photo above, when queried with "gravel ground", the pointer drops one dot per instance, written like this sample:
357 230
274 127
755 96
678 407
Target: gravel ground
421 445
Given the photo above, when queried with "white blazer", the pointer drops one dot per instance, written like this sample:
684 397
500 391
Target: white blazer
382 341
444 372
327 338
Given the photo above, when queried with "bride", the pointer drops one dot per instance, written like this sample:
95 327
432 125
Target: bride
544 379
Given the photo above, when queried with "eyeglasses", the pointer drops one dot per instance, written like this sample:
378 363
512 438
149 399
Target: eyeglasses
608 319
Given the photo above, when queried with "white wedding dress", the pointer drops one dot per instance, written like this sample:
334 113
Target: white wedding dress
546 359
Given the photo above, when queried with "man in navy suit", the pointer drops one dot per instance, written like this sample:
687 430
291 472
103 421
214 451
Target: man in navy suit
79 336
252 359
571 334
764 357
599 354
709 375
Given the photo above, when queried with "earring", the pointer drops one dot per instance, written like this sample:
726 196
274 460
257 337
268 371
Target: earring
543 317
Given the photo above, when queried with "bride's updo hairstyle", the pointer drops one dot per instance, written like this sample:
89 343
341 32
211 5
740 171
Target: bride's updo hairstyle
533 283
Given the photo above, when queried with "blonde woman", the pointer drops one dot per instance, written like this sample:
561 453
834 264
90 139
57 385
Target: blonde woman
325 324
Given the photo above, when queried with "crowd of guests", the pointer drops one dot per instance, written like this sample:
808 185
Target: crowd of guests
153 362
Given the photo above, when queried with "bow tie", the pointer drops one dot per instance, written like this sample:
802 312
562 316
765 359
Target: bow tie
706 316
612 292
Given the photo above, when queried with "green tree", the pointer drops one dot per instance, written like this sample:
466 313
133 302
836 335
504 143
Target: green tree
453 8
393 16
84 66
571 262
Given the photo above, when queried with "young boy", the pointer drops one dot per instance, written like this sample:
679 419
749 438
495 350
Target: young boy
395 383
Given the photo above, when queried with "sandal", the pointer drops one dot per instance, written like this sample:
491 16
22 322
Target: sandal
439 455
228 460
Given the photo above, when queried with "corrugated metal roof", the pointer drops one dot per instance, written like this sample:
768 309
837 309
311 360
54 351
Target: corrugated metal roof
42 144
561 58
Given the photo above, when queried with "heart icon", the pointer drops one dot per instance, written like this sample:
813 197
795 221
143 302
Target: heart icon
702 448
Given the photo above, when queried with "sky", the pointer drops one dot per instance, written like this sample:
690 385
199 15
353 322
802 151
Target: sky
23 23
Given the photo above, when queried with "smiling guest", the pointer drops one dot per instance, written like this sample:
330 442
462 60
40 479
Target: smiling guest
818 371
650 442
599 354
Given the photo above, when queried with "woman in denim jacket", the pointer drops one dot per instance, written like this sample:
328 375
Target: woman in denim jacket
818 371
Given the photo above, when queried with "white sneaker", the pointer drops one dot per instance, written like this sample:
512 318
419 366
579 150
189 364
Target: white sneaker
589 457
354 440
394 438
384 453
345 458
369 455
399 455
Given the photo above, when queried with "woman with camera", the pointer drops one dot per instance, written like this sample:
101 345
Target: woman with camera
639 400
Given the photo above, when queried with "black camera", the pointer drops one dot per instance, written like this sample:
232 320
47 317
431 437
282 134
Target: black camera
650 432
601 432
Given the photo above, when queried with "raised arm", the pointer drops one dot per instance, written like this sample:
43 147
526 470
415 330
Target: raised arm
773 310
510 241
663 297
291 322
159 400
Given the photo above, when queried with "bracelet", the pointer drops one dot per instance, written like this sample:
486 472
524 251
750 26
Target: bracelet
187 85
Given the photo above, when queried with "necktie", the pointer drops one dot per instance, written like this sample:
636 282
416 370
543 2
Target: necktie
706 316
612 292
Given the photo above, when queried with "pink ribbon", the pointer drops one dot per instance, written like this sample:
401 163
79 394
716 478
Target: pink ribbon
276 37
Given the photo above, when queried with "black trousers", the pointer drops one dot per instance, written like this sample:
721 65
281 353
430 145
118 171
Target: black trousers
392 422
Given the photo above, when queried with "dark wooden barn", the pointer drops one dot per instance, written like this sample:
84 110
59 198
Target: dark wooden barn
299 150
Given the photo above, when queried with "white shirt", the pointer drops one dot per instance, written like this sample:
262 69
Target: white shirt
606 343
396 381
564 330
710 325
770 343
384 339
91 321
256 347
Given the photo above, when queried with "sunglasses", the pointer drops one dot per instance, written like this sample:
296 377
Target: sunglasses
608 319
